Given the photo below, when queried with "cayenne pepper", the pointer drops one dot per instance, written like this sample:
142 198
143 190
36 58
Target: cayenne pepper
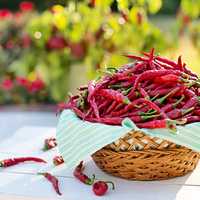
14 161
78 173
54 181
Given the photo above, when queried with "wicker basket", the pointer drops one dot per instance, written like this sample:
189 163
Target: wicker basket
140 157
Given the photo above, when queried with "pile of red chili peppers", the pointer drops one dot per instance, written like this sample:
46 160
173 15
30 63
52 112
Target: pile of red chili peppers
154 92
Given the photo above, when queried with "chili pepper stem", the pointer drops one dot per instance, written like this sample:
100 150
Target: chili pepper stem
188 110
111 183
153 98
181 122
149 117
149 112
126 101
41 173
179 101
162 99
171 124
91 181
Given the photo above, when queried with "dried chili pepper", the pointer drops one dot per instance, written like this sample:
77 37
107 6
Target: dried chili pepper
136 57
161 100
114 95
169 107
101 187
164 123
164 60
192 102
61 106
151 74
176 113
78 173
58 160
54 181
169 78
141 118
192 119
49 143
14 161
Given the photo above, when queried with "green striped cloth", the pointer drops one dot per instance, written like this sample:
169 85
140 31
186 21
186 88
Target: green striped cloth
78 139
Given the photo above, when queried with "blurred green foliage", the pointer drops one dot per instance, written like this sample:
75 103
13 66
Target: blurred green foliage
92 33
86 32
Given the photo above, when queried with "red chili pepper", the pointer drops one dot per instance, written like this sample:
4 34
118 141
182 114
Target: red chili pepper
197 112
180 64
144 93
107 120
142 118
78 173
136 57
49 143
58 160
90 98
14 161
189 72
173 64
136 102
176 113
167 61
128 107
78 112
191 103
53 180
140 67
62 106
114 95
143 111
189 93
101 187
192 119
164 123
151 74
111 107
161 100
169 78
171 106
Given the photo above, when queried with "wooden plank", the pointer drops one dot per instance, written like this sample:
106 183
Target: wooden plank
29 141
37 187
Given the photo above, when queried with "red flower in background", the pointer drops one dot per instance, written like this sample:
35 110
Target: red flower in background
9 44
36 85
26 6
6 84
5 13
78 50
56 42
26 41
21 81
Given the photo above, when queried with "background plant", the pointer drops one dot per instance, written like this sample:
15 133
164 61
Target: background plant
93 34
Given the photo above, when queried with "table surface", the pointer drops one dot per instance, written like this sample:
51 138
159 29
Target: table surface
22 182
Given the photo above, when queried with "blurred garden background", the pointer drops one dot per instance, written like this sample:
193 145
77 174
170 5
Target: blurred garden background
48 48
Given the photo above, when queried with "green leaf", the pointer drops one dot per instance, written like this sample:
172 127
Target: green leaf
191 7
123 4
154 6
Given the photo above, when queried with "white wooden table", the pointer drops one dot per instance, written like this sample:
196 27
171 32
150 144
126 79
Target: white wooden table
22 183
